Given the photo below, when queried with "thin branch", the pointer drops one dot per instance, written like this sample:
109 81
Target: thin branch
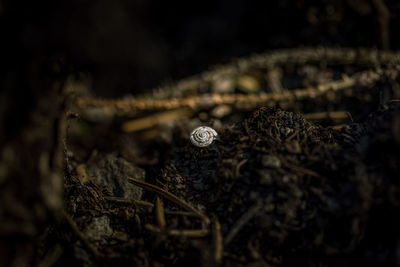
210 100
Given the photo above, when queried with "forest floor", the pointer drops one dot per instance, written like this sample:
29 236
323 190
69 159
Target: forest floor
305 171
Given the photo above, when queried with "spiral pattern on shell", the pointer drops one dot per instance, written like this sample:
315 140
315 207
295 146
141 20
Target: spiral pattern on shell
203 136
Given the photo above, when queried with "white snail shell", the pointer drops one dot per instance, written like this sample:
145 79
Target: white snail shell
203 136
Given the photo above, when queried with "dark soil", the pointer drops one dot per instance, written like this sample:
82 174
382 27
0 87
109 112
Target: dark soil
292 192
285 190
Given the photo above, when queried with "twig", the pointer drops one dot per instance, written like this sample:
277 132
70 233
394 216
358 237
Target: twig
246 217
81 236
210 100
160 216
175 232
276 58
173 92
170 197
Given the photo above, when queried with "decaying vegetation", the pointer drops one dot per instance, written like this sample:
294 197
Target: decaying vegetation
305 172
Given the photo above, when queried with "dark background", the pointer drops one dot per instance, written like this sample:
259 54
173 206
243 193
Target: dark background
130 46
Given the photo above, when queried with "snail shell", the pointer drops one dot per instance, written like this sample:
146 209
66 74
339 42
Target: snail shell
203 136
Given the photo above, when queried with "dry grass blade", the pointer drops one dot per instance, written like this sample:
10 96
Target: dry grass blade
160 216
170 197
218 241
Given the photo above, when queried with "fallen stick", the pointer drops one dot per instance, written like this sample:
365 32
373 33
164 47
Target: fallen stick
210 100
